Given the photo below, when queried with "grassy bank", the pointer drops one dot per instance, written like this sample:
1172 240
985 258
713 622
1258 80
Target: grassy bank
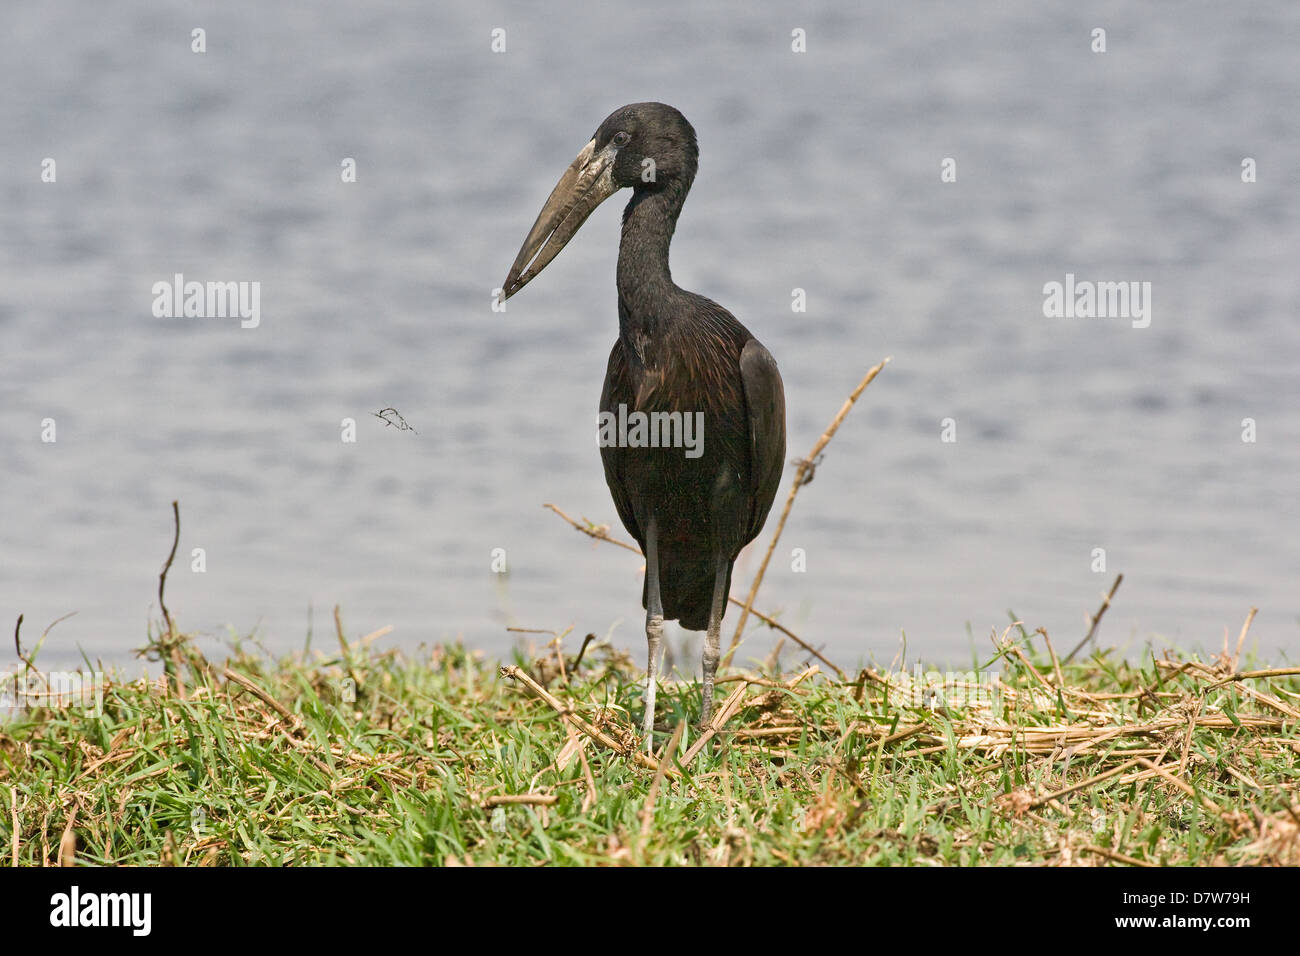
447 758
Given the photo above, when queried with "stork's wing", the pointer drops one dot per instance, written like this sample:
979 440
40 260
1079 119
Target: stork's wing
618 390
765 403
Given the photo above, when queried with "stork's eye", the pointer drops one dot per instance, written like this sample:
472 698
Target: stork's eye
621 138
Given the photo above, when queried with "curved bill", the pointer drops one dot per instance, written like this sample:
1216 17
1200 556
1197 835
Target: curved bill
587 183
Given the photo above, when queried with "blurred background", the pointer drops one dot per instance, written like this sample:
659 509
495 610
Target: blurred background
819 171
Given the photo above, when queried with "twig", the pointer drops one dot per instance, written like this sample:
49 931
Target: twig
903 734
30 662
724 714
1241 638
294 727
170 648
347 650
1096 619
162 578
1116 856
590 799
759 682
802 473
566 713
520 799
1267 699
776 625
556 644
647 813
582 650
1181 785
263 696
1251 675
559 657
601 533
18 649
400 424
802 676
1004 645
1056 664
13 815
1187 737
1082 784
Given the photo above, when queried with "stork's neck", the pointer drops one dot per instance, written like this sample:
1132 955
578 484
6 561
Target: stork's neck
646 292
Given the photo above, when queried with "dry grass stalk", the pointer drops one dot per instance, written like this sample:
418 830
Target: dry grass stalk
1095 619
601 533
802 476
724 714
567 714
647 811
520 800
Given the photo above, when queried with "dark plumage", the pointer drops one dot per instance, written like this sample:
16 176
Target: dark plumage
677 352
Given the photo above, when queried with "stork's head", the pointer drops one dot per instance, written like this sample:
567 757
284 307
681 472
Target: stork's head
644 146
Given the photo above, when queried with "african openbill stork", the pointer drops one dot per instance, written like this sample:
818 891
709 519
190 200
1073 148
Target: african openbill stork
676 352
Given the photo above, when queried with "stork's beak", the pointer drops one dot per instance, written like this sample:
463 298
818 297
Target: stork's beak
587 183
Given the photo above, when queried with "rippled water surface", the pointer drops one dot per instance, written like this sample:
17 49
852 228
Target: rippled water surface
819 171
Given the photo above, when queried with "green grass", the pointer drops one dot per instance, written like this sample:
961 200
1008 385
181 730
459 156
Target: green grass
821 772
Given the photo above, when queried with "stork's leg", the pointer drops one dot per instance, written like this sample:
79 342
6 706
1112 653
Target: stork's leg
654 630
713 639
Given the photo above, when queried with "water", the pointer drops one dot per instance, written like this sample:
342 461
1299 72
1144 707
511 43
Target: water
819 171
